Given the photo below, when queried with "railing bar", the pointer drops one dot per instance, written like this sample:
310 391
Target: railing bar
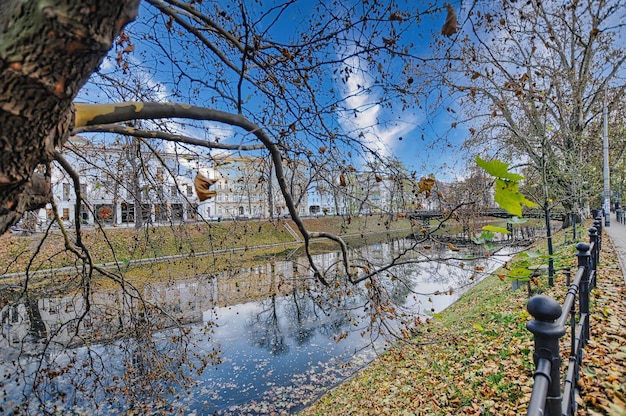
580 326
567 305
572 324
571 379
571 296
583 324
540 387
577 340
568 388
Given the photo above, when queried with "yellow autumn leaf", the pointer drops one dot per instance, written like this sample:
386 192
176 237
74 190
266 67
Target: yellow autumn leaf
425 185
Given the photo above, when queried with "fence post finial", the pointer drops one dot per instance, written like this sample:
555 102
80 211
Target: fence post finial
546 332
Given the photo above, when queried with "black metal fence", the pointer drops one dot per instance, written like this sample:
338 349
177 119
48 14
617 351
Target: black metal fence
620 214
550 397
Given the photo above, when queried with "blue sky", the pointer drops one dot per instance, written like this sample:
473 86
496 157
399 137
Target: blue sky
422 140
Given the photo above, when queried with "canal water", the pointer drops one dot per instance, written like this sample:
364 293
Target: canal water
234 355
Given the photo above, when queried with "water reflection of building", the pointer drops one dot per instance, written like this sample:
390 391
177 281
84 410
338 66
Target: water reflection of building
114 311
14 321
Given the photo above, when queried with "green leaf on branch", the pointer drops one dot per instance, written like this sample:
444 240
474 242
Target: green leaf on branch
507 193
494 229
498 169
484 237
519 273
509 198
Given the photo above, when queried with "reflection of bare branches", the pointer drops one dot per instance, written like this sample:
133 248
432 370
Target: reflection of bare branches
267 332
154 371
303 331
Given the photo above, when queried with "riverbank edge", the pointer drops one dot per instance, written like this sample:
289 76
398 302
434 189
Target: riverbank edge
229 244
118 265
475 358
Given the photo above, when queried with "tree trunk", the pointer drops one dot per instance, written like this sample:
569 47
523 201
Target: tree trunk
569 208
48 51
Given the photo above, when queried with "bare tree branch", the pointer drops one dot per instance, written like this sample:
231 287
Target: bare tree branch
157 134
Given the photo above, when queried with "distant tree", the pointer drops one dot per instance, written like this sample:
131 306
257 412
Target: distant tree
531 79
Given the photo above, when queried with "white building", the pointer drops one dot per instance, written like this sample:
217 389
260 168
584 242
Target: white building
121 182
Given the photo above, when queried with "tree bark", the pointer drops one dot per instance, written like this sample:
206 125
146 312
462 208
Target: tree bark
48 51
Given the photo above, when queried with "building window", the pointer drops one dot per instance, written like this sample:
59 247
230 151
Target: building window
66 214
146 212
177 212
189 190
66 191
192 212
84 213
173 190
161 213
128 212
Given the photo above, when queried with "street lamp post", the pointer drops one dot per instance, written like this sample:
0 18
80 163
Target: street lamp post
607 182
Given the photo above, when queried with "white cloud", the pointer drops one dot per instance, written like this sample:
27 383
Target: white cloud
381 128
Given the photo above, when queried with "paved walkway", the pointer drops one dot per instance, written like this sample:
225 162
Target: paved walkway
617 234
603 382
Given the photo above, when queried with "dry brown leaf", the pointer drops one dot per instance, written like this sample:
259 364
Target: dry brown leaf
342 180
202 184
450 26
